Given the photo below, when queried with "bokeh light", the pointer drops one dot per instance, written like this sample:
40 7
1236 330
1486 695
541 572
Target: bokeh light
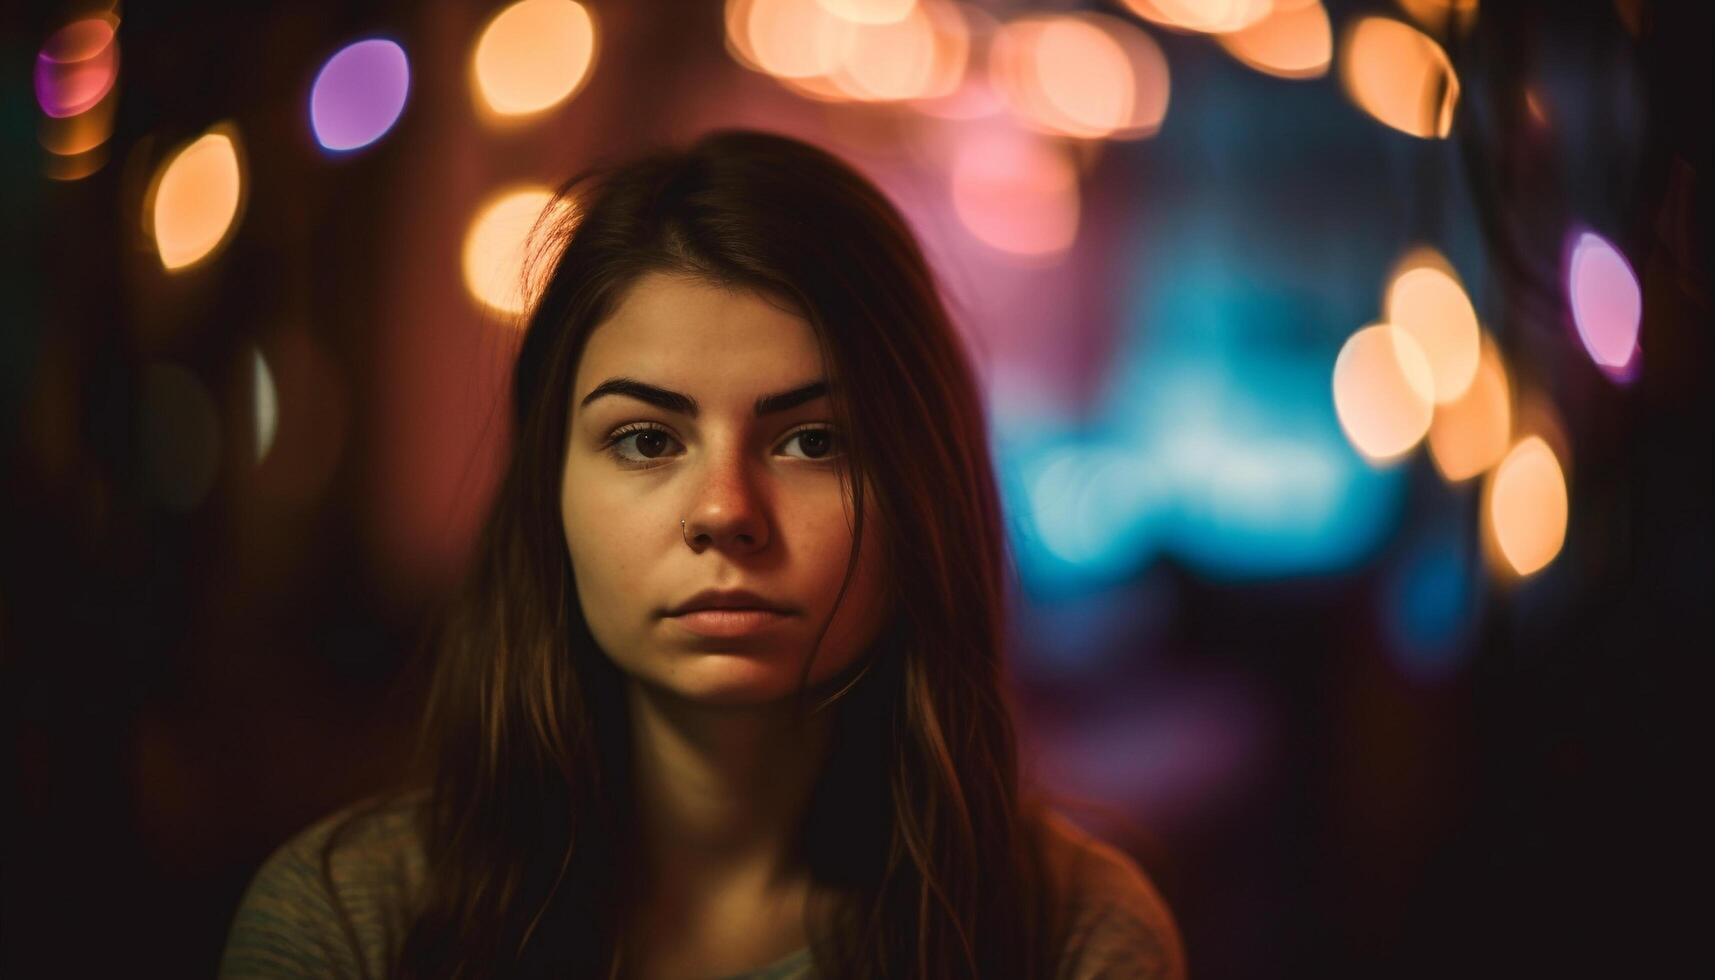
500 249
534 55
1400 76
1424 297
266 404
741 28
870 11
1607 306
1203 16
821 88
1471 433
77 66
1062 74
956 91
953 29
75 81
790 38
1083 75
1295 40
1438 15
737 18
1016 193
73 135
1383 392
886 60
1525 506
64 168
918 51
194 203
359 94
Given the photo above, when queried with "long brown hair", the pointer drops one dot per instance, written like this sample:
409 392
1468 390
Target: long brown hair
921 846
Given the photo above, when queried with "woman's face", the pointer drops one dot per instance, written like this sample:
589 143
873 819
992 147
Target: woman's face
760 494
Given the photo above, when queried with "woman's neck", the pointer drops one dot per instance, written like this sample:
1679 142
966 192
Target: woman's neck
721 794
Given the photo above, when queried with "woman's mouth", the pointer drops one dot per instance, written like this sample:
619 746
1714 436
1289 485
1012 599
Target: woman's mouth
728 622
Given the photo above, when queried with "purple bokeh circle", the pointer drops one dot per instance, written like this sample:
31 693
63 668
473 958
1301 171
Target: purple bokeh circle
359 94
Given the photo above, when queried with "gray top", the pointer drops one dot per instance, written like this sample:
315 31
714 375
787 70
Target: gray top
287 927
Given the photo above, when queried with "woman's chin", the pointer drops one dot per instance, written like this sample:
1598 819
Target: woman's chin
731 679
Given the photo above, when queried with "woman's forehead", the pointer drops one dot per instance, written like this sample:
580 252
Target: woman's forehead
701 338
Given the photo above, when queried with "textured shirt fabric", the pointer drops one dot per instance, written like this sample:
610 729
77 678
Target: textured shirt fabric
287 924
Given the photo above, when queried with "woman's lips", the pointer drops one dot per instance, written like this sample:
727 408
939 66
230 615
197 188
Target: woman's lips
728 622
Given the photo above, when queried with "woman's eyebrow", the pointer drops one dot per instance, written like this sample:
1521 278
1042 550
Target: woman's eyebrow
683 404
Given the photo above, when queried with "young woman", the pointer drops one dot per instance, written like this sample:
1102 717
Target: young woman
724 694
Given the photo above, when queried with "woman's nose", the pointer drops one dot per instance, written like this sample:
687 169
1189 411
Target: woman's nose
727 509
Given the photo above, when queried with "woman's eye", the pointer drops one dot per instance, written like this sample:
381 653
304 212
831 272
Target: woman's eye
817 443
638 445
649 443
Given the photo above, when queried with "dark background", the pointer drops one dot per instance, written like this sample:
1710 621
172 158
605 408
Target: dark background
186 685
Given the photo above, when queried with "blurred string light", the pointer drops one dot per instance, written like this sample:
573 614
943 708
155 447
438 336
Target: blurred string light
962 33
853 52
500 247
1295 40
1525 508
761 34
533 55
265 404
1471 433
1206 16
1384 392
1082 75
1607 305
359 94
886 61
1428 368
957 28
77 66
75 81
194 201
870 11
1438 15
76 135
1426 299
1017 193
1400 76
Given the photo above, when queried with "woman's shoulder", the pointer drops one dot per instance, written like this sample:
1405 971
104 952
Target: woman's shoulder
1118 924
338 894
